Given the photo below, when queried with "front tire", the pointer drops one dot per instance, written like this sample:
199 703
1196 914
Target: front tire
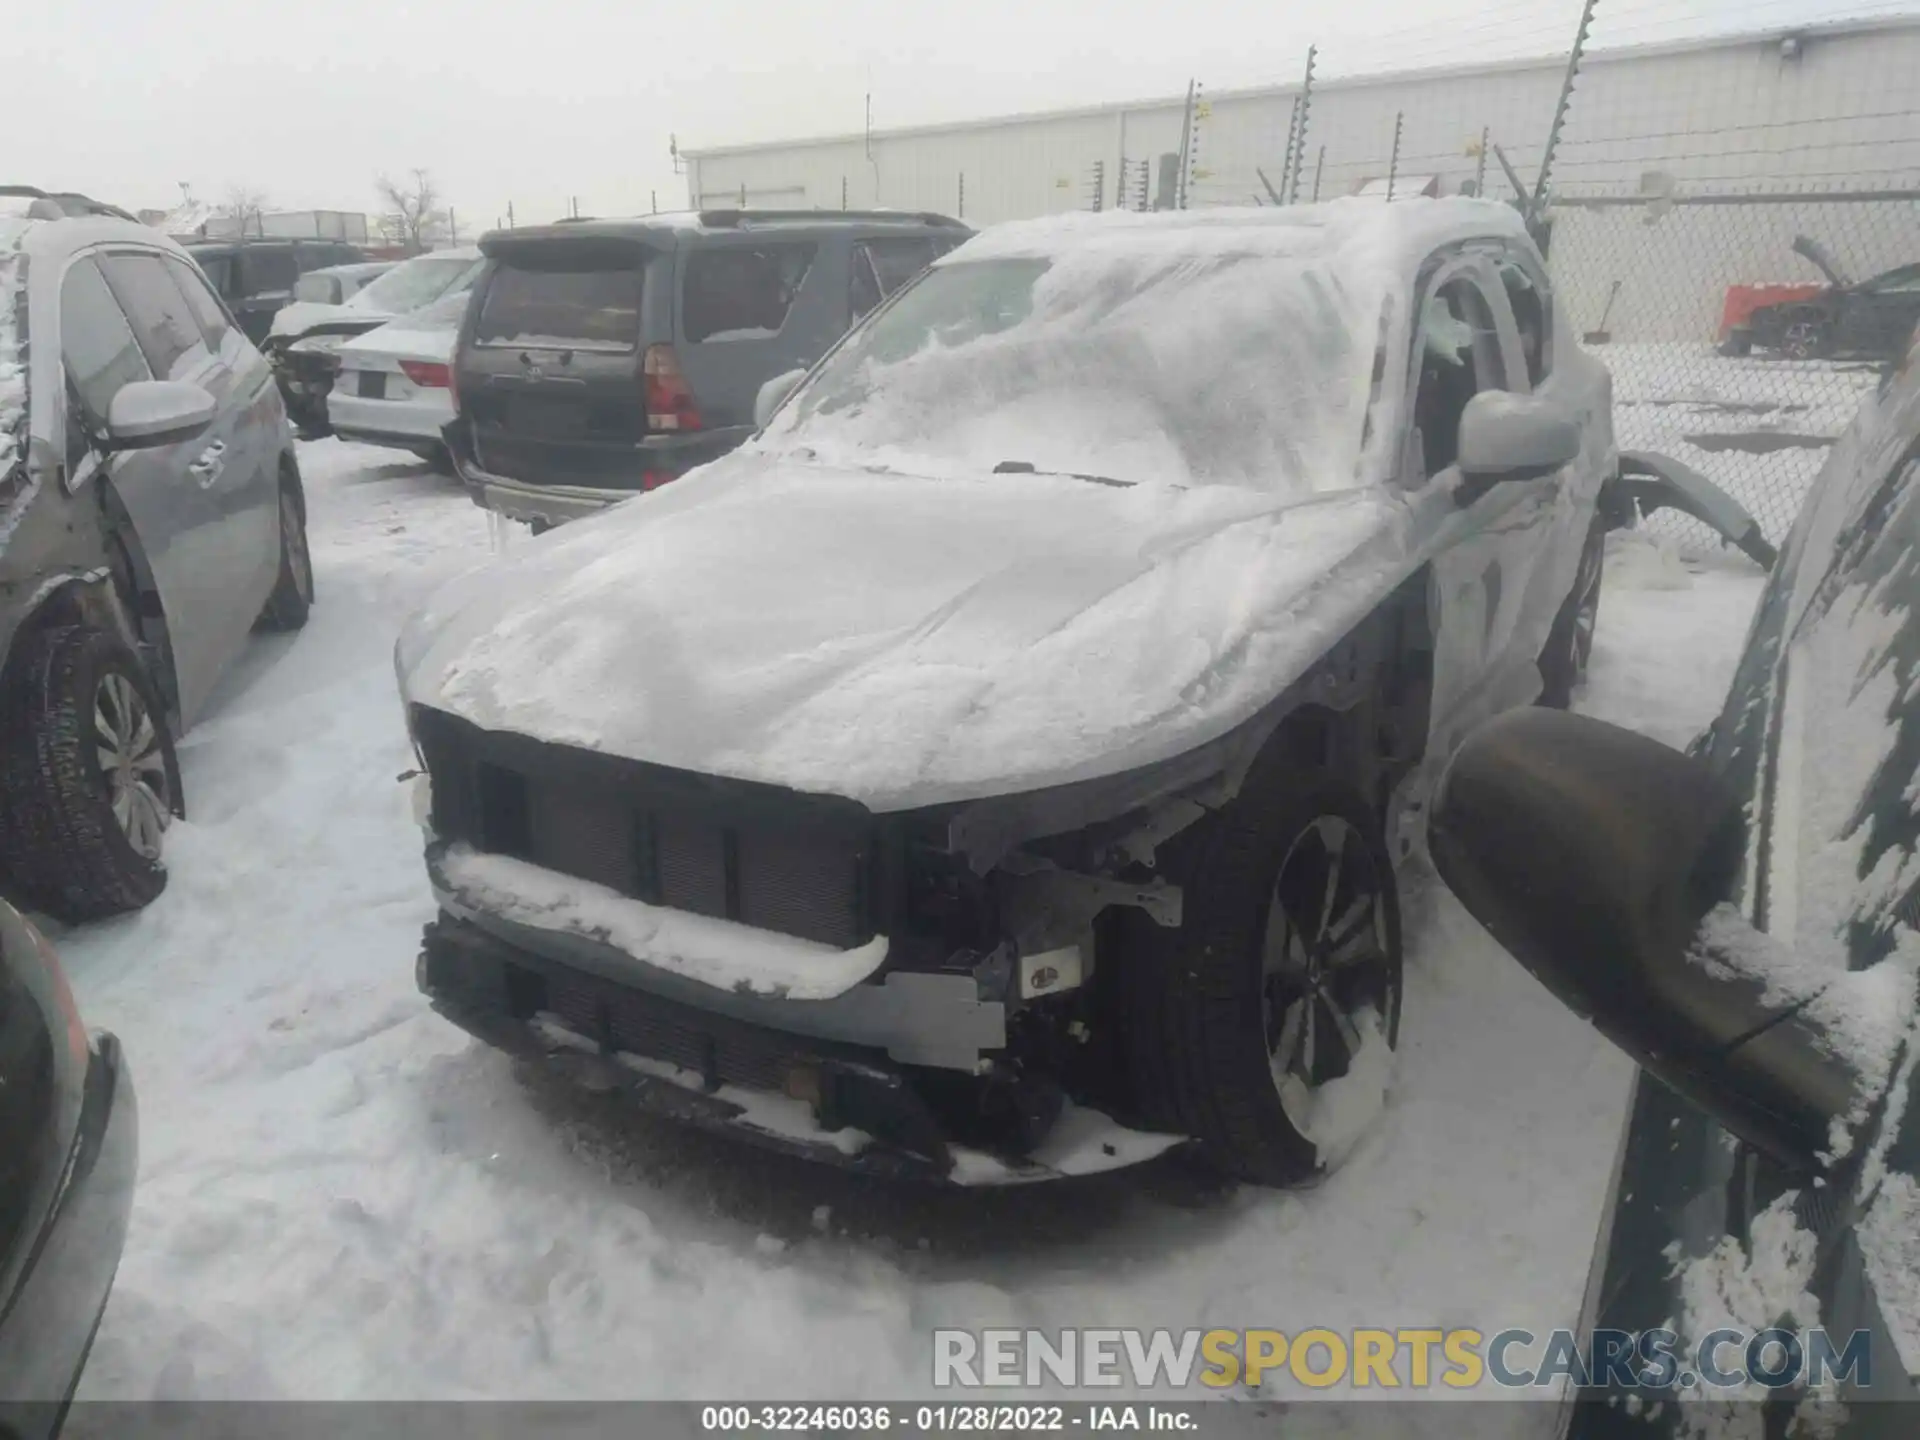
292 594
89 777
1261 1025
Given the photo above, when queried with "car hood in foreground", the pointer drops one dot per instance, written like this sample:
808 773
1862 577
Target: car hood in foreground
904 641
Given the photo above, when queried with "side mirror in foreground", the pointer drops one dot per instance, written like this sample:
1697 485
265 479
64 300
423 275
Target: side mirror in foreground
1504 436
1593 854
144 414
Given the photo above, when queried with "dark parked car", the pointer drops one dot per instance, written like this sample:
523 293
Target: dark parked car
604 357
1741 920
1875 319
69 1142
151 515
257 278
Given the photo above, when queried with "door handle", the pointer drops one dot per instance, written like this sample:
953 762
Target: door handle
211 462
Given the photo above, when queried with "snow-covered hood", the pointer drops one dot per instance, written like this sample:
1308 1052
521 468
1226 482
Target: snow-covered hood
899 640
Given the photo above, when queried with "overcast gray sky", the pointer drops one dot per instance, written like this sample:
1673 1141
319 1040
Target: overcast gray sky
537 100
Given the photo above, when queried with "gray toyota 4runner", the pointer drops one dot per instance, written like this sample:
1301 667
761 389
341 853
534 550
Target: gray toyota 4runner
604 357
151 515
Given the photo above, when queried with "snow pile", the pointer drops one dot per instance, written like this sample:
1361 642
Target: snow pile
1338 1115
720 953
1762 1286
1224 346
903 640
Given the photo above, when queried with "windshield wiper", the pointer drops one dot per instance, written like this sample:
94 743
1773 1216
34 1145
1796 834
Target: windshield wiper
1026 467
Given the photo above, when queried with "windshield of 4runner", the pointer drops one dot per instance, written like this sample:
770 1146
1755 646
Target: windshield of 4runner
1146 364
416 283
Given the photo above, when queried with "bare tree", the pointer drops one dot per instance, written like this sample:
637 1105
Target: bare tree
412 216
246 207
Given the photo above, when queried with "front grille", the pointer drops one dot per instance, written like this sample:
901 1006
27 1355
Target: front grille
802 865
722 1052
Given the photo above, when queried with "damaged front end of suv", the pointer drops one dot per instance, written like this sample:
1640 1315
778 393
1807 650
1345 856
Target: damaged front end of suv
941 993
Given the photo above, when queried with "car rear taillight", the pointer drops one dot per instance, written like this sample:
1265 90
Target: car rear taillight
654 479
427 374
670 402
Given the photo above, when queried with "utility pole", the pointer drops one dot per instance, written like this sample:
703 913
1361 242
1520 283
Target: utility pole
653 199
1393 162
1319 165
1480 165
962 197
510 215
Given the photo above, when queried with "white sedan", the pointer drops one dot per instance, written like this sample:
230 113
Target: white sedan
393 384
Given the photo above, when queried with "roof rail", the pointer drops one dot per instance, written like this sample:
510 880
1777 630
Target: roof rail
723 219
63 204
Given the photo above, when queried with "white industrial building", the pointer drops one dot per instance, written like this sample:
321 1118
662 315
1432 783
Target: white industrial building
1826 108
1825 103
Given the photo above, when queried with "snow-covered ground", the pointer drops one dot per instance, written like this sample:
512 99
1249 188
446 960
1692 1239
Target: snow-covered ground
341 1196
1758 425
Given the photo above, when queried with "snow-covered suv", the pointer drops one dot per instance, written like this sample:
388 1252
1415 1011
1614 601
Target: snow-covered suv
151 514
998 766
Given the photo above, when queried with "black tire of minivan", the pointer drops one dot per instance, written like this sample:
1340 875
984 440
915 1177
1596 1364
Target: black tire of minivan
292 594
1569 647
60 843
1196 1002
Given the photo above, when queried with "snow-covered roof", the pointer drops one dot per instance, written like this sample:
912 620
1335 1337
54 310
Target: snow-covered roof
1350 231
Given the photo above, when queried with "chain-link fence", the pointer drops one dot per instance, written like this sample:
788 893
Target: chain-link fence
1742 330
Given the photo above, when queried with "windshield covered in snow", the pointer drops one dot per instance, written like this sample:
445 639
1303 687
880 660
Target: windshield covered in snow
407 287
1137 363
443 314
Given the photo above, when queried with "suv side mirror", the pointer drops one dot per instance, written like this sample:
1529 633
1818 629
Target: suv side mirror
144 414
1504 436
1592 854
773 395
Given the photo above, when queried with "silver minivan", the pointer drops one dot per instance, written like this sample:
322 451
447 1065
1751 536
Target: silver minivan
151 517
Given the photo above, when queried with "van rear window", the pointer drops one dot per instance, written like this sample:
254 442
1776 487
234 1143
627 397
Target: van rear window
589 301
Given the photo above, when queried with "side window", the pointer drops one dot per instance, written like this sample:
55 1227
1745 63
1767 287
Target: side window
1459 356
96 345
898 261
863 292
1533 315
169 336
208 313
738 292
268 272
219 272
